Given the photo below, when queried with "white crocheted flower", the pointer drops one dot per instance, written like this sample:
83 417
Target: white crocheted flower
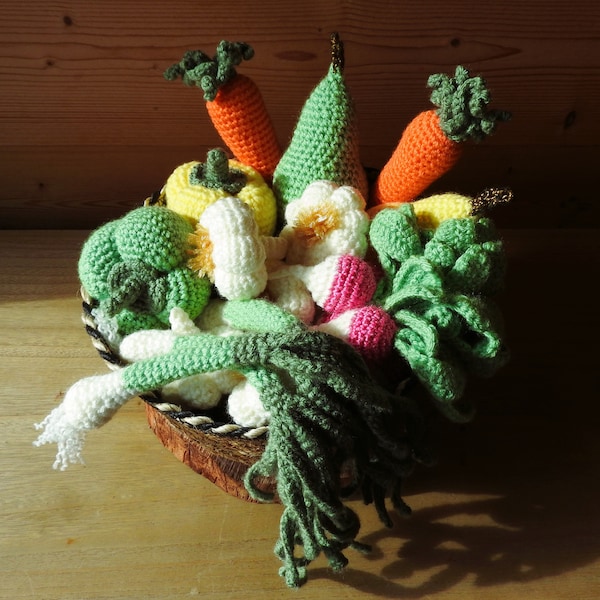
326 220
229 250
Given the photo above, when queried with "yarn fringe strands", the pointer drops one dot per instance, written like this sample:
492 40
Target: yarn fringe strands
272 319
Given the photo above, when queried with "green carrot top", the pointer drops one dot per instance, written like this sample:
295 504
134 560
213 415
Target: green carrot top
210 74
462 103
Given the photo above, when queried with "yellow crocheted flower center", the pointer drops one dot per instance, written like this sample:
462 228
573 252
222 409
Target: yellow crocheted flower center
313 226
201 253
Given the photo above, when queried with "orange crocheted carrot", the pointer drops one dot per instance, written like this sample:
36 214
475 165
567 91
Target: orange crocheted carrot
234 103
432 142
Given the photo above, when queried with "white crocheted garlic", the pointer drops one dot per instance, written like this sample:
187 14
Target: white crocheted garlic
202 391
229 250
291 294
212 320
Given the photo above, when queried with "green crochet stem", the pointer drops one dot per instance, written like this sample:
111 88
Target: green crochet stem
462 106
326 412
210 74
216 173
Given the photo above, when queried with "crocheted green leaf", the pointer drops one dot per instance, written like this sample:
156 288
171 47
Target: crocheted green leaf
98 256
462 103
394 234
395 237
135 285
184 289
130 321
481 347
469 254
210 74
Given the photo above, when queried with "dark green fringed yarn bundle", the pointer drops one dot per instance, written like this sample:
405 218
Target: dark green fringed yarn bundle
327 414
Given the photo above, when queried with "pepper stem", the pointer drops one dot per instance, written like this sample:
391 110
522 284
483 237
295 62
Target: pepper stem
216 173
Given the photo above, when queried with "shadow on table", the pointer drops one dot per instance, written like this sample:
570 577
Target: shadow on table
518 503
435 554
528 535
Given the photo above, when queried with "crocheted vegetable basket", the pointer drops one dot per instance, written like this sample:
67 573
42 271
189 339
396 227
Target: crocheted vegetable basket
290 322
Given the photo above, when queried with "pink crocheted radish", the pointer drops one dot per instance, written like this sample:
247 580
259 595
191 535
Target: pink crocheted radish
369 329
338 283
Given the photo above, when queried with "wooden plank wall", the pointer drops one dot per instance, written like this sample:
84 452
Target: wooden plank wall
88 126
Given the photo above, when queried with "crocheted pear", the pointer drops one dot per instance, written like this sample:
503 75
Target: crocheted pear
324 144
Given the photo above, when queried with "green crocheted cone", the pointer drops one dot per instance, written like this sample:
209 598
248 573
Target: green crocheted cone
325 142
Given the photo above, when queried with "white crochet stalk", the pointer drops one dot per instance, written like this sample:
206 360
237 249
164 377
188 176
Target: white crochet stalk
88 404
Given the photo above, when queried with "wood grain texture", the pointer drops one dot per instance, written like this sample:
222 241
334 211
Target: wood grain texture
86 117
509 512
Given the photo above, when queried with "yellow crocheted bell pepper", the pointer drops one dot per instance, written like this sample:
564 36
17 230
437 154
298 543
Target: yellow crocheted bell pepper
194 186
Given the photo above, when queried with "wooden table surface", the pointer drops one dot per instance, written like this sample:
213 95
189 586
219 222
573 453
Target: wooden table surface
510 511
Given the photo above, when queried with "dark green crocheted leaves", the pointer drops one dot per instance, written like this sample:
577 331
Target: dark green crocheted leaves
210 73
462 103
436 286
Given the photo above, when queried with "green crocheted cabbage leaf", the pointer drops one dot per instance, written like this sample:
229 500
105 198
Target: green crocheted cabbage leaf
437 287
